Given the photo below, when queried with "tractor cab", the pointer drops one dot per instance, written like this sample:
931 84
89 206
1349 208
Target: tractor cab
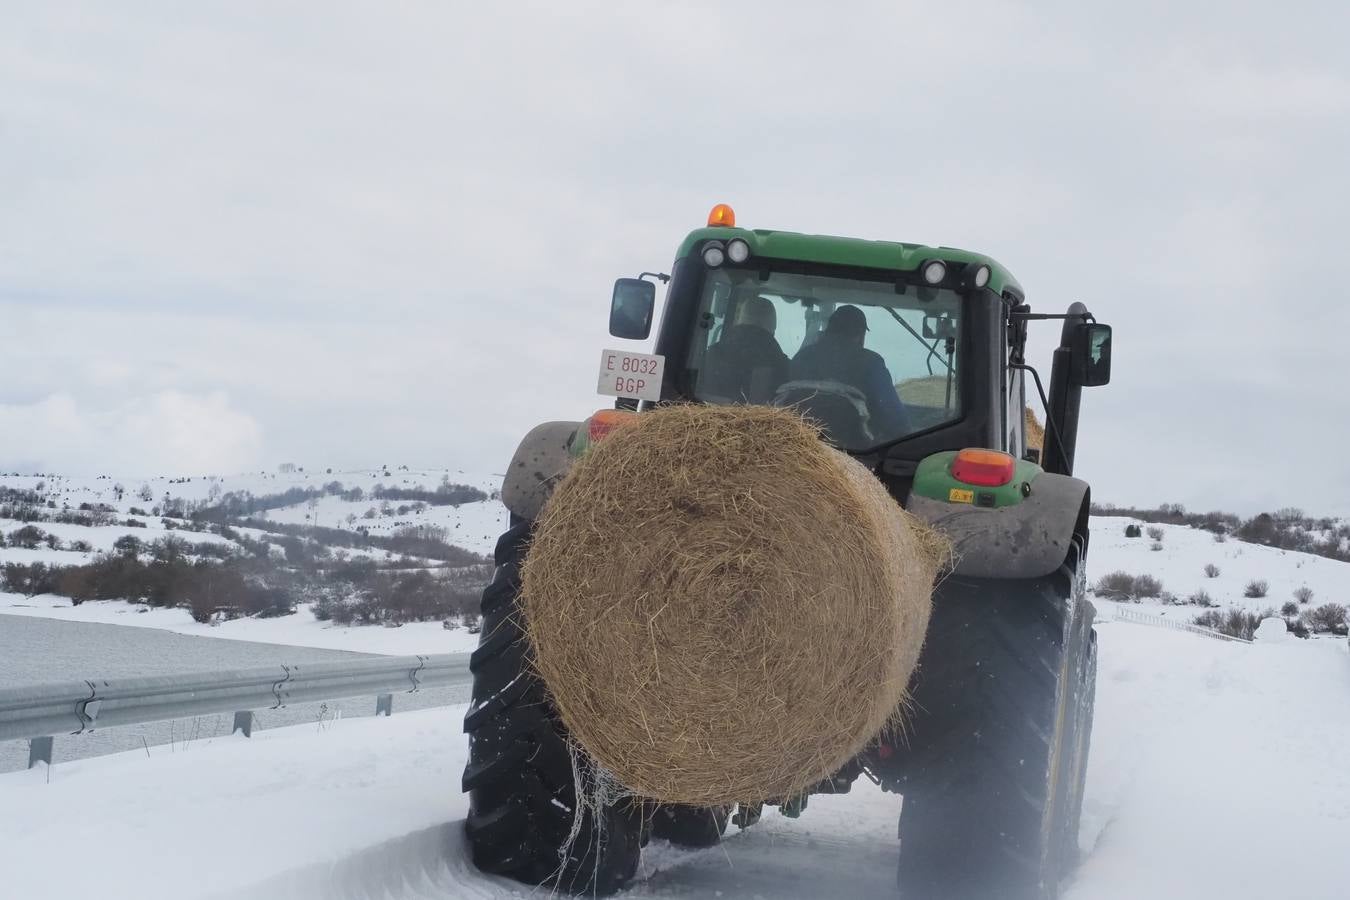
896 351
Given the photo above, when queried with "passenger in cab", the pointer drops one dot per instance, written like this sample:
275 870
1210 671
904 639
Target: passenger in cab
746 364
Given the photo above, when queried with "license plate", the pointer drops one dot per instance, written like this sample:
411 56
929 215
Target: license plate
634 375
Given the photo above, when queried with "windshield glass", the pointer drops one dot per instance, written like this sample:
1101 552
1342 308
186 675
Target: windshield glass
866 362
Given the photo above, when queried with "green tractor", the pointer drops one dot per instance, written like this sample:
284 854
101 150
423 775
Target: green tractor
910 358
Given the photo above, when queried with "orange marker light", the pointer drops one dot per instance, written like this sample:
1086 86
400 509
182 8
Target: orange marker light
606 420
722 216
985 468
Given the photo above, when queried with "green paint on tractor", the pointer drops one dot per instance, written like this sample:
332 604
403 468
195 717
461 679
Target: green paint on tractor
933 479
839 251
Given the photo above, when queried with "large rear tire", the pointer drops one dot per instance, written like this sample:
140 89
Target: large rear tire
994 775
520 778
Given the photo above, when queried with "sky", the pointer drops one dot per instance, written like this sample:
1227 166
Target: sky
352 234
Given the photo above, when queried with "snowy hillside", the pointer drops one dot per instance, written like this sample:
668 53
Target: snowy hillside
475 527
304 530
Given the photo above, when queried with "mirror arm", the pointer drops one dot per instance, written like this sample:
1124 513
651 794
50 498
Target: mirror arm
1051 429
664 278
1029 316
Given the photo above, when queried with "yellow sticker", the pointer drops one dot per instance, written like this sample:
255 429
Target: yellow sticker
956 495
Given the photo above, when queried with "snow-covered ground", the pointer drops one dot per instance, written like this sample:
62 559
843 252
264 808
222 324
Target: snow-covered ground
472 526
1217 770
1180 565
300 629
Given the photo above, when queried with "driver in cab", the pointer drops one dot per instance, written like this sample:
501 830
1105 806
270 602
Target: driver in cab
839 355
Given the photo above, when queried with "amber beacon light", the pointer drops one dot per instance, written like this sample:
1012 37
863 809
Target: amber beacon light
722 216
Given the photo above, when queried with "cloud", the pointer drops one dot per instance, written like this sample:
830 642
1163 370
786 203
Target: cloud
388 231
167 432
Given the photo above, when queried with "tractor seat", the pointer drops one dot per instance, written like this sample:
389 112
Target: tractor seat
839 409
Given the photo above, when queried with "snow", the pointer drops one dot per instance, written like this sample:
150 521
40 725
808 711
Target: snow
1180 564
1273 629
1217 770
300 629
473 526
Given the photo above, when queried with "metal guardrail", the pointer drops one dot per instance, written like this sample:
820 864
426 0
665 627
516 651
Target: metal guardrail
1130 615
37 712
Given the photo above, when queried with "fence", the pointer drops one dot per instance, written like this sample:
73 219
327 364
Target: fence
38 712
1130 615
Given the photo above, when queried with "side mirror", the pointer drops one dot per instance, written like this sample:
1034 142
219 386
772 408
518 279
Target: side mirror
939 327
1092 354
630 310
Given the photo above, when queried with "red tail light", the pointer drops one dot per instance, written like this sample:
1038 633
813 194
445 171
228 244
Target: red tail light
984 468
606 420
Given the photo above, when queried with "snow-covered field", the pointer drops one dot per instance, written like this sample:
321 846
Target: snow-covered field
1218 770
300 629
1180 565
472 526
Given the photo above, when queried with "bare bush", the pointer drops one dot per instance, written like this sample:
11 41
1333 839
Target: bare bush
1115 586
1289 610
1155 533
1146 586
1220 537
1211 570
1201 598
1155 546
1303 594
1255 588
1236 623
1329 617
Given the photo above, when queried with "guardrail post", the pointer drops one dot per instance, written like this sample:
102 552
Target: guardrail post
40 750
384 704
243 721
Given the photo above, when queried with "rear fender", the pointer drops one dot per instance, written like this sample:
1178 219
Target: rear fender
1030 539
540 462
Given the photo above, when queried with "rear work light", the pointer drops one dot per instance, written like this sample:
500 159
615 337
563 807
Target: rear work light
984 468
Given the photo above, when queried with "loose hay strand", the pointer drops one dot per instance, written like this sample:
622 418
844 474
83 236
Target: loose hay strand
723 608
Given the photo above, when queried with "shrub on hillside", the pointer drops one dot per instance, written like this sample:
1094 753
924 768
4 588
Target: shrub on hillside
1303 594
1115 586
1236 623
1255 588
1220 537
1211 570
29 579
1146 586
1155 546
1155 533
128 545
1329 617
1289 610
1200 598
28 537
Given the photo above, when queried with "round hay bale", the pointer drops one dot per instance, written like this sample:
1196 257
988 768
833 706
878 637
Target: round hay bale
1035 431
930 390
723 608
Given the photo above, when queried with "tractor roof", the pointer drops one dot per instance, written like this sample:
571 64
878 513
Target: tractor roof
841 251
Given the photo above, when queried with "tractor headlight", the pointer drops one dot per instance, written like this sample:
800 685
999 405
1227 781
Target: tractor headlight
981 277
738 251
935 271
714 254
